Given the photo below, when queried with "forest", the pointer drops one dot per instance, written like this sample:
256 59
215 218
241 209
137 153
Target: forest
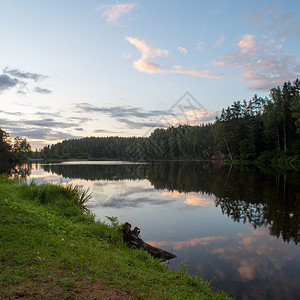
258 129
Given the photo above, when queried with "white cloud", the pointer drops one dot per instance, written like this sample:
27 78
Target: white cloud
113 12
127 56
200 46
182 50
220 41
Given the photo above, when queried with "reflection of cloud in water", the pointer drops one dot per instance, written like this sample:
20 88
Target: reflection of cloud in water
179 245
257 263
133 203
192 198
260 261
255 253
124 193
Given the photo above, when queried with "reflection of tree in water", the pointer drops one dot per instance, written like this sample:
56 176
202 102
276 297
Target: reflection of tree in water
263 199
243 193
21 171
99 172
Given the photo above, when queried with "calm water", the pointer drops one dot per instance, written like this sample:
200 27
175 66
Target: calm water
236 226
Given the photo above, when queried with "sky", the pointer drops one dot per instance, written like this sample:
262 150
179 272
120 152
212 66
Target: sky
71 69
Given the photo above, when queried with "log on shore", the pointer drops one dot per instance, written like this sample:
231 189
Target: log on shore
132 238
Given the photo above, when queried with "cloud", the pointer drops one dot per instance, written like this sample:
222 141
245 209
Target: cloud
20 80
182 50
220 41
48 114
200 46
101 131
42 90
204 241
135 117
247 44
79 119
11 113
193 117
113 12
48 123
192 198
39 132
119 111
23 75
36 133
131 116
136 125
196 73
262 62
145 65
7 82
186 110
274 21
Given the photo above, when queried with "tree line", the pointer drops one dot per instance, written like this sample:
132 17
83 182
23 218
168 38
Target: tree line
260 128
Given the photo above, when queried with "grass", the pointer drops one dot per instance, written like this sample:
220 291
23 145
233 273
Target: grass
52 247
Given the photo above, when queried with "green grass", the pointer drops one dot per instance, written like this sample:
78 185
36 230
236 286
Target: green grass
49 242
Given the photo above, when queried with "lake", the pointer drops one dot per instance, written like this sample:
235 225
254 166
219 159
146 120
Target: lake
236 226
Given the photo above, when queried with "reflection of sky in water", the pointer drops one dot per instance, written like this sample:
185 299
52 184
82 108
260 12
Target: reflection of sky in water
233 255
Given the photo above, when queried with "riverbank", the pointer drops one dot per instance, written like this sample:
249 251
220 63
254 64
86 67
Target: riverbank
51 248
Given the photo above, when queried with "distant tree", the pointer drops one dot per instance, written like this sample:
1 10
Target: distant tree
21 149
5 147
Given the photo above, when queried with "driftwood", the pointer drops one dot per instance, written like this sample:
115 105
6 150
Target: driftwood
132 238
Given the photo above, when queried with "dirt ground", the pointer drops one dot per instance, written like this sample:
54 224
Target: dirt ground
48 289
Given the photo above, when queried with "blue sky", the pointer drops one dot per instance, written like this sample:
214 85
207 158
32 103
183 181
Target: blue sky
70 69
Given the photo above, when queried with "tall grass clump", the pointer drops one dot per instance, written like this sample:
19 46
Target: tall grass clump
69 200
78 196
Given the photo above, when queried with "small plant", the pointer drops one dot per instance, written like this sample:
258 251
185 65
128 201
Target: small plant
114 234
66 282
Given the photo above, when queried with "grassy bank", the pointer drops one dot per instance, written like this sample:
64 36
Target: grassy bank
51 249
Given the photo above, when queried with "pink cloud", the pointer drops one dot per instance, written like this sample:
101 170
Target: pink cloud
261 63
144 64
196 73
247 44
